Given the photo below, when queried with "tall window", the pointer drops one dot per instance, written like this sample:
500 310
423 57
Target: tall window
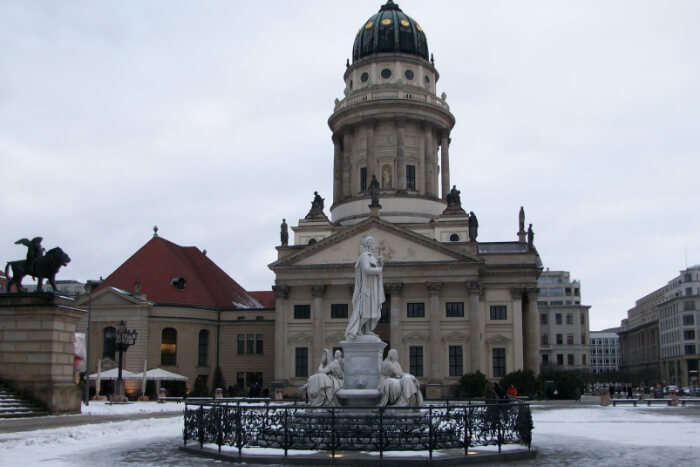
203 347
498 313
455 360
570 359
570 339
250 344
168 347
415 360
241 344
385 311
499 362
545 339
560 359
583 319
108 345
302 311
259 344
415 310
363 179
339 311
301 362
557 318
411 177
543 318
583 359
454 309
560 339
688 320
569 318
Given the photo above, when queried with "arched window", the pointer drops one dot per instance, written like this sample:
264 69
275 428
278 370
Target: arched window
108 344
168 347
203 347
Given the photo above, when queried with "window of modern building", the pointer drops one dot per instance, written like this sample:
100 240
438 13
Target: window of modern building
688 320
499 362
545 339
544 318
570 339
415 310
576 292
560 339
583 359
411 177
689 334
557 318
454 309
689 291
415 360
567 290
570 359
108 344
560 359
689 306
498 313
339 311
241 344
259 347
545 359
302 311
569 318
541 303
250 344
583 339
301 362
168 347
556 302
363 179
583 319
455 360
690 349
203 349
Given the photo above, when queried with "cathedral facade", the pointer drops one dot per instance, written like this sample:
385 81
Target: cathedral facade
454 304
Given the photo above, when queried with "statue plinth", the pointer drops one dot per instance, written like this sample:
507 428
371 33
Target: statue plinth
362 359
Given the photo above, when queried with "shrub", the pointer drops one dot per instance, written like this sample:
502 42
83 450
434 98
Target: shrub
472 385
523 380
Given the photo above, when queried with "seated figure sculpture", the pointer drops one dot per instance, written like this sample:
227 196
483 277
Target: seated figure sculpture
323 385
398 389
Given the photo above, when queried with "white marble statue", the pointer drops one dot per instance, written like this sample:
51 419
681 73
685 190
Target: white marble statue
398 389
369 292
322 385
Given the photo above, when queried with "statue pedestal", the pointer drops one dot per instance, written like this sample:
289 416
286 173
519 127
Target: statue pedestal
362 359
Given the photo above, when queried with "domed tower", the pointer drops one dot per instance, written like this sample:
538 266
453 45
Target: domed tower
390 125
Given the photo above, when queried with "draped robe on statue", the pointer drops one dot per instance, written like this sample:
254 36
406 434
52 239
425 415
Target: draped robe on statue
368 296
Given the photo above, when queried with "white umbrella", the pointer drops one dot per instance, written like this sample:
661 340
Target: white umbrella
113 374
159 374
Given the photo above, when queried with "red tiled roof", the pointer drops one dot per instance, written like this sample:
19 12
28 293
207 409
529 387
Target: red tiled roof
266 298
160 261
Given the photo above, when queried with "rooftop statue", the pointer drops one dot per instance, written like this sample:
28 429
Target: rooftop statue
530 237
521 220
38 265
473 226
369 292
373 190
453 198
316 207
322 385
398 389
284 233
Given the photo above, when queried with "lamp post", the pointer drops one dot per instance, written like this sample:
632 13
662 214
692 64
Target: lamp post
89 287
123 339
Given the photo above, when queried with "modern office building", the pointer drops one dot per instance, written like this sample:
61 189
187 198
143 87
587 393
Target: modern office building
564 323
605 351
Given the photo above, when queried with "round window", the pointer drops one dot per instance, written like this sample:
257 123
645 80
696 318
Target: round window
427 79
364 77
454 238
386 73
350 84
409 74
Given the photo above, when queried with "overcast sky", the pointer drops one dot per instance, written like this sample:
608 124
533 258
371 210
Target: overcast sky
209 119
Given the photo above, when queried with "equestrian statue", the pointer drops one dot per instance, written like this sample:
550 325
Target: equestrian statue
38 264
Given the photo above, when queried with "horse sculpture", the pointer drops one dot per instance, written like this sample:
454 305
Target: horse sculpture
43 267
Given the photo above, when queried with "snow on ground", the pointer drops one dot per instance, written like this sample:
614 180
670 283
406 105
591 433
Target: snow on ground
564 436
105 408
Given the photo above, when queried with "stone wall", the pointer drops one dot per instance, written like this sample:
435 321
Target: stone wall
36 348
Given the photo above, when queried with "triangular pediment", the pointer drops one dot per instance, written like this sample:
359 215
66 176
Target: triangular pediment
395 243
112 296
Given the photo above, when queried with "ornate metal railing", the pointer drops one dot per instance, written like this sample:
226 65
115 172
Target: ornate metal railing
376 429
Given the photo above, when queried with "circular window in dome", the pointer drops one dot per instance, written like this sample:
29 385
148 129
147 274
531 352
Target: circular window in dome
369 25
417 27
386 21
454 238
409 74
386 73
364 77
427 79
405 23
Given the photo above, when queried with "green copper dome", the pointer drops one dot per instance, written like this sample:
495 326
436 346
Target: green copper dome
390 30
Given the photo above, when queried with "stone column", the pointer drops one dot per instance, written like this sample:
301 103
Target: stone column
422 163
531 322
518 331
435 355
475 327
396 311
371 155
281 316
445 164
429 162
317 323
347 164
400 155
337 170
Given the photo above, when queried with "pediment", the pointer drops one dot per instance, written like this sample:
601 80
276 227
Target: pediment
111 296
396 244
299 338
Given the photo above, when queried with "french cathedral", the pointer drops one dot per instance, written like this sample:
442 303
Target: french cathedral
454 304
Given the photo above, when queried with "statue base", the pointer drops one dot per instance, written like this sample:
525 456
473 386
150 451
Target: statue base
362 359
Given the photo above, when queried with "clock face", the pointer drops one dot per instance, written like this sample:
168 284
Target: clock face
386 73
408 74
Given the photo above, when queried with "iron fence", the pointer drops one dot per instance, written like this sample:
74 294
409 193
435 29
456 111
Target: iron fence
379 429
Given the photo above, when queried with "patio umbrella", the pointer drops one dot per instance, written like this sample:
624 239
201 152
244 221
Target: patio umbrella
113 374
